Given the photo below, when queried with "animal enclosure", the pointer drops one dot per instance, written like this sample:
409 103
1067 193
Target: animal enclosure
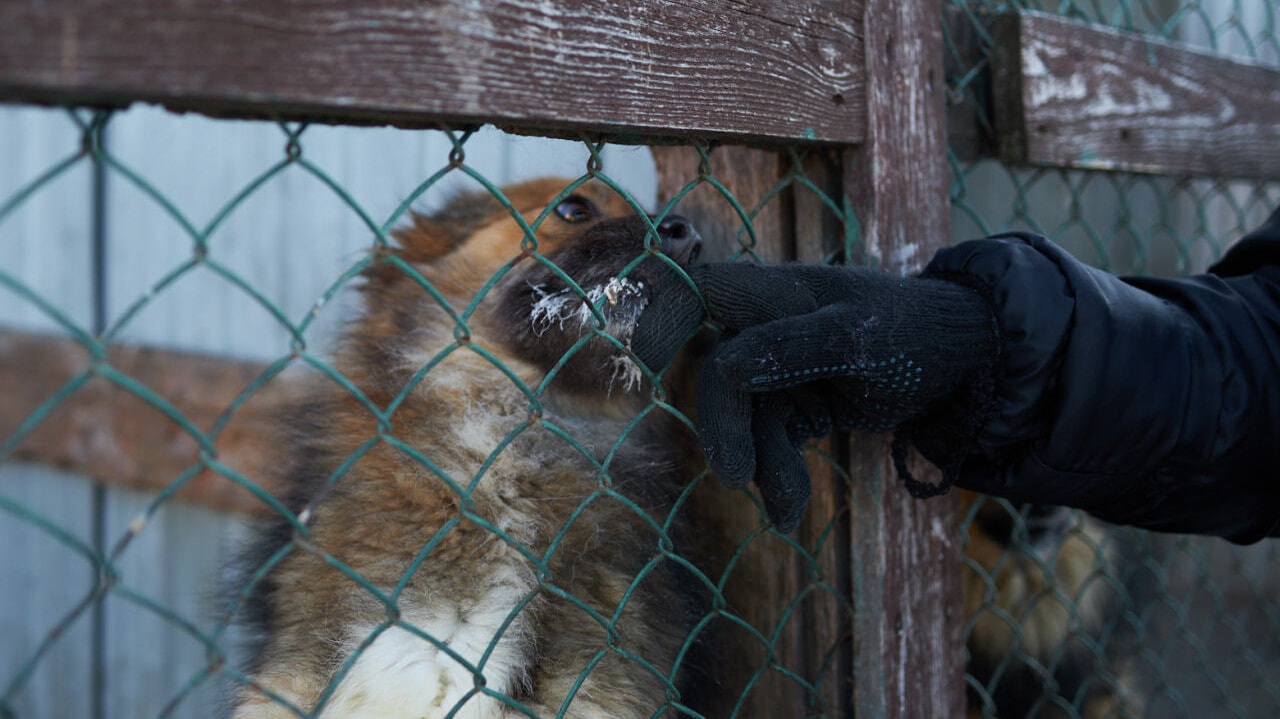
171 282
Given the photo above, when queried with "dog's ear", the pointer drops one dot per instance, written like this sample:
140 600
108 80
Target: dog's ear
426 239
435 235
429 237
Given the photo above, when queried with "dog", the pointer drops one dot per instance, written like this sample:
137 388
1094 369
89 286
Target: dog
1043 595
482 511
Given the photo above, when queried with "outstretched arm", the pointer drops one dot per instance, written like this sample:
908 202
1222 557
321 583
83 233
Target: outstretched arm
1014 367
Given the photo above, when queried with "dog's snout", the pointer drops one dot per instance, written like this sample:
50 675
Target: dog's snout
680 240
676 228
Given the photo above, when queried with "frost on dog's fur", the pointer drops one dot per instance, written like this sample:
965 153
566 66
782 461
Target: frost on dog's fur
623 301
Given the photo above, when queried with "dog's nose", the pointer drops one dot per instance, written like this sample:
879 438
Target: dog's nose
680 241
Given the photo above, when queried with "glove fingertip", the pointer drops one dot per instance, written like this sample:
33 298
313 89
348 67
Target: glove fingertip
672 316
786 507
734 469
786 518
783 480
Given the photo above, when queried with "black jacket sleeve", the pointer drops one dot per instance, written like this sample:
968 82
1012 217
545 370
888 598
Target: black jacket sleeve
1151 402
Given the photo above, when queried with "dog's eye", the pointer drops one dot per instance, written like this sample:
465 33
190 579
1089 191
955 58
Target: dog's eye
574 209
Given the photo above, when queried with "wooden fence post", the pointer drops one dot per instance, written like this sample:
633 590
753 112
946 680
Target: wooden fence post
906 553
903 556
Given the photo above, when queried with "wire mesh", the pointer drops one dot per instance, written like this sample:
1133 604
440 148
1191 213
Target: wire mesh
1065 616
1068 617
199 664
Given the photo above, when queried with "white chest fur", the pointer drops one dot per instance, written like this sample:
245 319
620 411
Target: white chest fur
402 675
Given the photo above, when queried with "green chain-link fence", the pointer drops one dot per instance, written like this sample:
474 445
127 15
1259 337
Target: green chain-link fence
1066 617
75 656
1156 626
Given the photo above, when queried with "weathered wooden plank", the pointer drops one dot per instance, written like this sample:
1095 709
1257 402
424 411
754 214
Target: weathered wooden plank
754 69
747 175
970 127
909 657
116 437
797 598
1074 95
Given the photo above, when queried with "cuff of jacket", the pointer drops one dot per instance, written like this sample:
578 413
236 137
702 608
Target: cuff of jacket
1100 393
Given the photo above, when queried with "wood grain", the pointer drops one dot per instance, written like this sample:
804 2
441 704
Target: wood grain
909 656
799 598
1074 95
748 175
108 433
795 591
748 70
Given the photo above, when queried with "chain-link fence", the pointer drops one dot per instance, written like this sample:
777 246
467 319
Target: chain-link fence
614 587
122 232
1069 617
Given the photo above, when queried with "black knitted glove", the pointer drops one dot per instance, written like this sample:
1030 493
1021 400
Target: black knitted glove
808 349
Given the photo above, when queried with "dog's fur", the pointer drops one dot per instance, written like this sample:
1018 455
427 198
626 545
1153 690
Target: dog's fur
1041 592
523 536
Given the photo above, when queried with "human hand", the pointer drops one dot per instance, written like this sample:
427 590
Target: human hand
810 349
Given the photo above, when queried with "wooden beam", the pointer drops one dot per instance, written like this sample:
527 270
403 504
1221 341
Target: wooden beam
1067 94
106 432
909 618
801 600
755 71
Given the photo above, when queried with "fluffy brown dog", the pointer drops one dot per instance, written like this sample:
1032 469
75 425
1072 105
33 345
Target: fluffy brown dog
495 547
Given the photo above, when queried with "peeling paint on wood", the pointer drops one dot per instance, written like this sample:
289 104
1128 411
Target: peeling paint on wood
1069 94
908 619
